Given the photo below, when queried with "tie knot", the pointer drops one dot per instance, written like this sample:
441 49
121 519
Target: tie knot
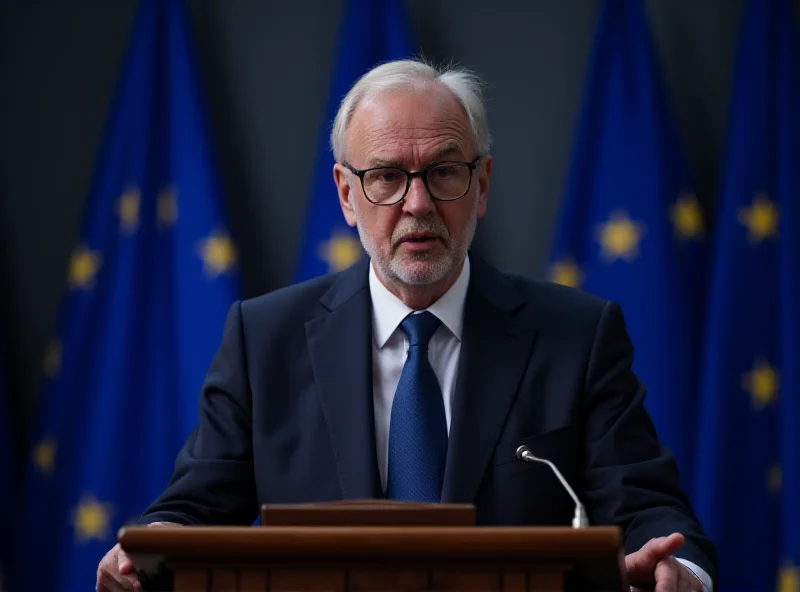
419 328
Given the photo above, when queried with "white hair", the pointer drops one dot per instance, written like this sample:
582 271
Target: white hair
408 74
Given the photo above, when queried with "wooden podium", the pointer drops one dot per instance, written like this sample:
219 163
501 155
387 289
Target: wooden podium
375 547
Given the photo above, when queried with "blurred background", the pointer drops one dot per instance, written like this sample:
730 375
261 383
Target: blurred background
613 123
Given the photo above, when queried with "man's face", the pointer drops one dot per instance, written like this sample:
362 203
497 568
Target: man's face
419 241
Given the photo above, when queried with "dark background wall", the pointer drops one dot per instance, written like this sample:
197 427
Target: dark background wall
265 65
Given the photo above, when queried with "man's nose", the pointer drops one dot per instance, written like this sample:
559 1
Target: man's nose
418 201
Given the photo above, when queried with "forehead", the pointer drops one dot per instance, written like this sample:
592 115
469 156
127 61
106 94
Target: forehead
408 126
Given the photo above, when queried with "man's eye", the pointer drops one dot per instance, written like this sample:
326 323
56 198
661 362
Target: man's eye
444 171
389 177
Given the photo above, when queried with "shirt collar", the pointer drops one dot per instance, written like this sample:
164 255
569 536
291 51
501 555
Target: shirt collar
388 311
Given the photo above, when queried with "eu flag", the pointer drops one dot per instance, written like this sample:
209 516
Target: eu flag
371 32
631 229
149 285
748 468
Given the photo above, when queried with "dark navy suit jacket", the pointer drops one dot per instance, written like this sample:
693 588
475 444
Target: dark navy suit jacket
286 413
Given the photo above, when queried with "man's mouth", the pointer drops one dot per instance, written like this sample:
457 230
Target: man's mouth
420 238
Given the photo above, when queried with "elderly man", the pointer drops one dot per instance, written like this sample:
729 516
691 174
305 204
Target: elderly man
417 373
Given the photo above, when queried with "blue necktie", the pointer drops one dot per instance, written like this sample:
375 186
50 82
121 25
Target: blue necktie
418 428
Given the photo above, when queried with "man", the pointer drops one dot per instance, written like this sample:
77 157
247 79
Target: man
416 374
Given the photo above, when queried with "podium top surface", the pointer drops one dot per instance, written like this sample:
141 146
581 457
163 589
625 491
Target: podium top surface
509 543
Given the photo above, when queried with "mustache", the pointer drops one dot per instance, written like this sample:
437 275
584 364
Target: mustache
431 225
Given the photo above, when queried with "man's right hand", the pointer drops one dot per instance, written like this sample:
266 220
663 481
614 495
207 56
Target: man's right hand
115 573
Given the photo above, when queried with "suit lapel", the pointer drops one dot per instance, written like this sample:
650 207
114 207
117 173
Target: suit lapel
494 353
339 343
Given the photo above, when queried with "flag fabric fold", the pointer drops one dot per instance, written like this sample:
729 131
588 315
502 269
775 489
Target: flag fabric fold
748 470
371 32
149 284
631 229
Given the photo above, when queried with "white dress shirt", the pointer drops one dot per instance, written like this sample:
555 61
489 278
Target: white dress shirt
390 349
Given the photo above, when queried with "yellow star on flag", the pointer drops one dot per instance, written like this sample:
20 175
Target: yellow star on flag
341 251
789 579
567 273
166 207
218 254
687 217
619 237
52 359
762 382
83 267
775 479
128 210
92 519
44 456
761 219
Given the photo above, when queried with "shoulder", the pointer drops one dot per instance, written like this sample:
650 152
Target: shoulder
308 299
301 299
559 300
548 305
573 319
292 295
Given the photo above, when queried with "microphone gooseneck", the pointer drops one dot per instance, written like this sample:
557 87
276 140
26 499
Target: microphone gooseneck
579 520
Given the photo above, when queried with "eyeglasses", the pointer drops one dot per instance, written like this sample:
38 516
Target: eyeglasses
445 181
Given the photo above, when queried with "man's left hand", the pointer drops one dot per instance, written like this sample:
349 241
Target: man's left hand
653 567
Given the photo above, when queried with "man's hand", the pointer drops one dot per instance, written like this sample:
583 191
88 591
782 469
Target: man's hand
115 572
654 563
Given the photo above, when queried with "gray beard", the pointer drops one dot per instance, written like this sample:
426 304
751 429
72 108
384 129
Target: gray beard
438 266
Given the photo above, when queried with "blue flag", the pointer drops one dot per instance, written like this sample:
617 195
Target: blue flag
149 285
748 468
631 229
372 32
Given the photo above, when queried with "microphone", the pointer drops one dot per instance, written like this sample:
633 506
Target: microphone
579 520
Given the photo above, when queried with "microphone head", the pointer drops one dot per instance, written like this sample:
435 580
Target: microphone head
521 451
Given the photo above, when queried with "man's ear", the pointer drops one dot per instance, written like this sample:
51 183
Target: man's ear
342 177
484 173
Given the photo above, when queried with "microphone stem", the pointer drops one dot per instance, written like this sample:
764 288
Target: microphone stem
579 520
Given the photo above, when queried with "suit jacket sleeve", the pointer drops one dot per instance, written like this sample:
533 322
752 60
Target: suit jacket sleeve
632 479
213 481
